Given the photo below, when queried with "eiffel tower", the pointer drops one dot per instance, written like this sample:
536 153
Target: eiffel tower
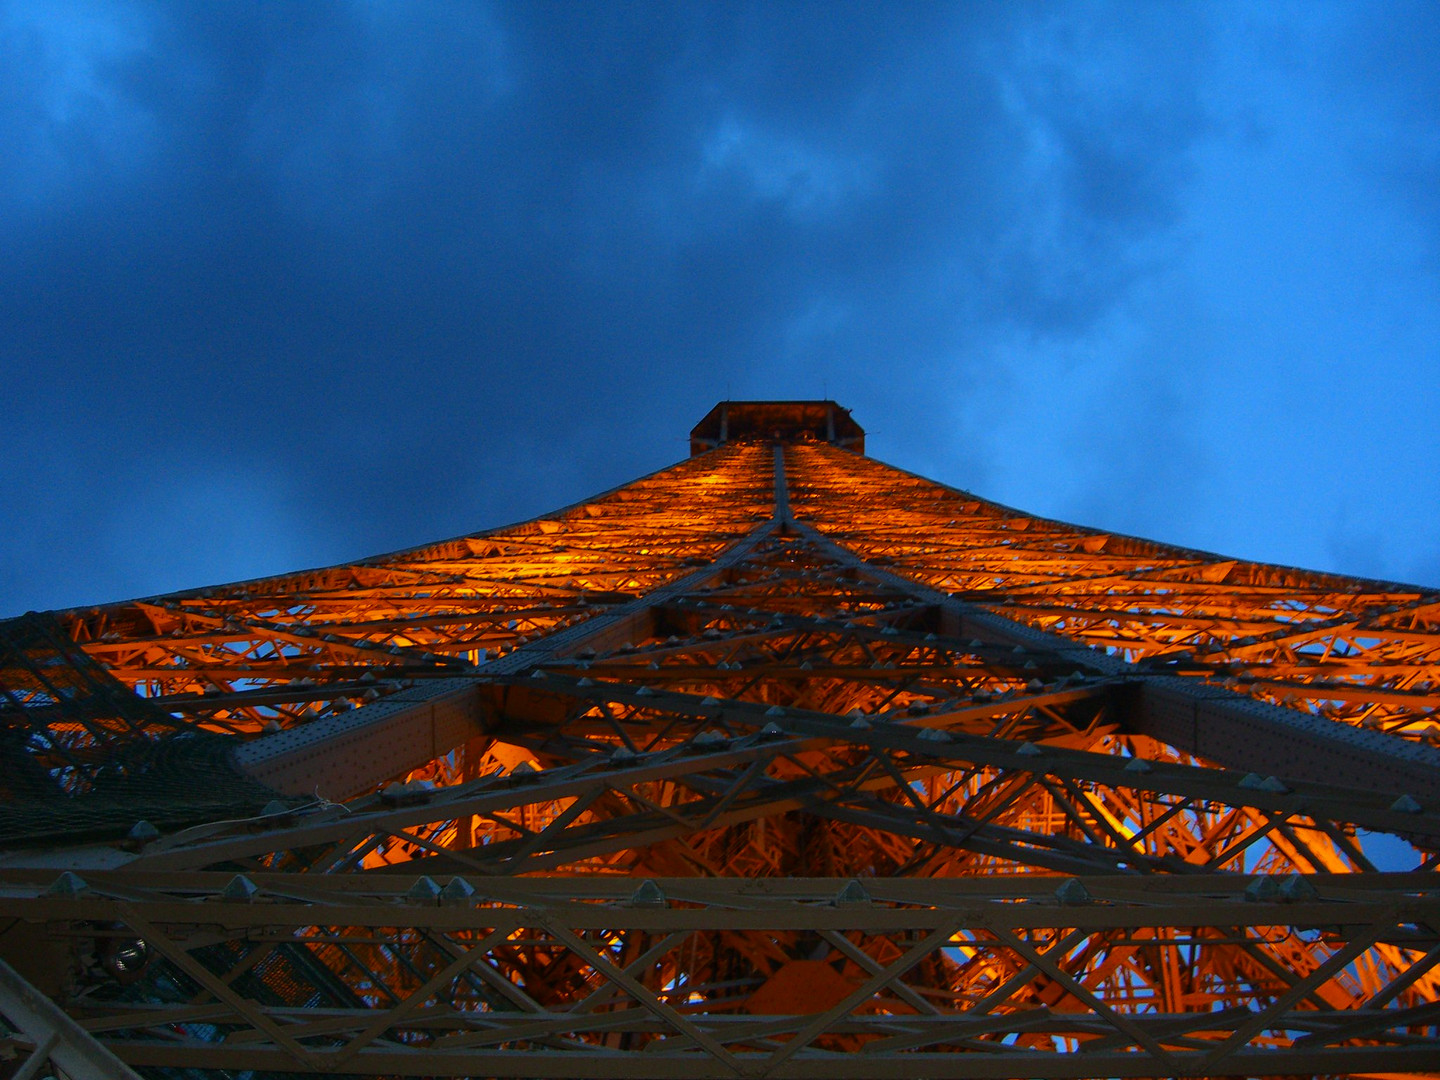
778 762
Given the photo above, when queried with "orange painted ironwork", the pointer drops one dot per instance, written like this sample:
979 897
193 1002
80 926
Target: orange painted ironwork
1364 652
778 763
219 654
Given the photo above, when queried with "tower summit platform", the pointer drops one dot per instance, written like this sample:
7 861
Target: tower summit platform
777 421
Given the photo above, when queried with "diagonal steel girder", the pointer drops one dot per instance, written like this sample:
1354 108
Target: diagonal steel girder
52 1035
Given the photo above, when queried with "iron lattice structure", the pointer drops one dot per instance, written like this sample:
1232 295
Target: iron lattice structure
779 762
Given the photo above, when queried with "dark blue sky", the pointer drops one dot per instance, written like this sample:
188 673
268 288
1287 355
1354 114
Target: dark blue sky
285 285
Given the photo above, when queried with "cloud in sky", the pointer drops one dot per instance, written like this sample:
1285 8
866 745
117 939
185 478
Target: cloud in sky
356 276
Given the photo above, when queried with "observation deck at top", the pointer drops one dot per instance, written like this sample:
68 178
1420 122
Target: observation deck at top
777 421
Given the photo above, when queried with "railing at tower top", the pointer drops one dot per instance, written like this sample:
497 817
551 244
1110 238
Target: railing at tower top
777 421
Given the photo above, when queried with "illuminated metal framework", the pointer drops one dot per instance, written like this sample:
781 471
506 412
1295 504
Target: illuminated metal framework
780 762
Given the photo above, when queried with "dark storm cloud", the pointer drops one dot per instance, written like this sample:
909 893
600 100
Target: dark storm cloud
380 272
294 283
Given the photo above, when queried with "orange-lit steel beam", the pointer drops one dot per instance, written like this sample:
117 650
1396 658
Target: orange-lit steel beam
1211 721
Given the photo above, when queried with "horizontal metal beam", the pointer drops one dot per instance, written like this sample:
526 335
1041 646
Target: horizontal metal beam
344 756
1018 895
792 732
1218 724
998 1064
1115 902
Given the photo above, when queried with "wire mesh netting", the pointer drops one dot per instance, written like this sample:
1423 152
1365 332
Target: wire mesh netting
84 757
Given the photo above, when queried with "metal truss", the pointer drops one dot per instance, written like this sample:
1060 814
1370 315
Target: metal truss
777 763
881 978
1364 652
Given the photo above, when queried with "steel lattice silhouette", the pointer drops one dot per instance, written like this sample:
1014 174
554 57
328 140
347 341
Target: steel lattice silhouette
780 762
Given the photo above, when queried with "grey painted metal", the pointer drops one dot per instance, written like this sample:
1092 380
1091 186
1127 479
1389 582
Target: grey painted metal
1014 901
805 730
350 754
1363 908
54 1035
172 908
